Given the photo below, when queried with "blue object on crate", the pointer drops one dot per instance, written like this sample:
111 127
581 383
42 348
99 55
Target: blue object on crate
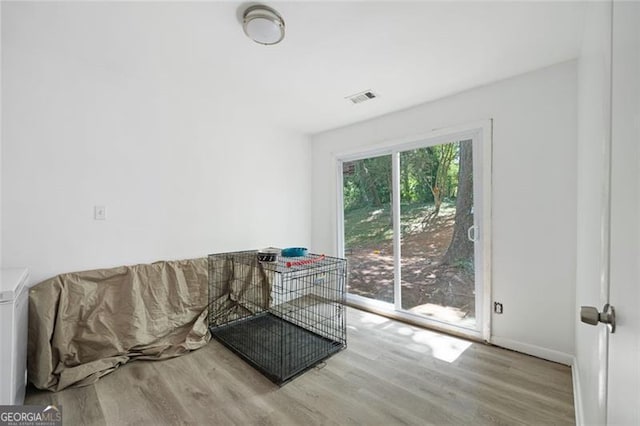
294 252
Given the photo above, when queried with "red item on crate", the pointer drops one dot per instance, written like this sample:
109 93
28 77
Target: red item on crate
305 262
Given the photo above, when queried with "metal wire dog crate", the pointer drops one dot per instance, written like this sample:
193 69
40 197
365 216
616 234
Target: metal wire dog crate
283 317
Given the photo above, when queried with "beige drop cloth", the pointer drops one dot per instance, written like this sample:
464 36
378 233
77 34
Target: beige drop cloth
85 325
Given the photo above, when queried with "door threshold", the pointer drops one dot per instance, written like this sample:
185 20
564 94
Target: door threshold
386 309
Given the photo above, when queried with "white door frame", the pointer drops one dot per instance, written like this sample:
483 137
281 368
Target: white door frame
481 135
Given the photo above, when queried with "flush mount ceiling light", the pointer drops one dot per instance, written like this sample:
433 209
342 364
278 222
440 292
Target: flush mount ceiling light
263 25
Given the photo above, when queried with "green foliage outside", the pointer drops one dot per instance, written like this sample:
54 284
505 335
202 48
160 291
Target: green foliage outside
368 226
424 173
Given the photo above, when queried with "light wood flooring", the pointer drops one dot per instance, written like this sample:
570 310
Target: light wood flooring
391 373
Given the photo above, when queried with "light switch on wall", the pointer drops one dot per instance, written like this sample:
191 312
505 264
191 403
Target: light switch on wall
99 213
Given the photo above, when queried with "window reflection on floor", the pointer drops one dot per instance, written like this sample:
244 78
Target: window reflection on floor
440 346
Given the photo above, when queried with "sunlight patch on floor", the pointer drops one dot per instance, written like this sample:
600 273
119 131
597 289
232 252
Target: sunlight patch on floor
444 348
440 346
405 331
373 318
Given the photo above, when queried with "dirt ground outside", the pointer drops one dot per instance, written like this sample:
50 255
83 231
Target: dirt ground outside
443 292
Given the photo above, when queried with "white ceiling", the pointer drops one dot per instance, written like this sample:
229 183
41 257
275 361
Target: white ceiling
407 52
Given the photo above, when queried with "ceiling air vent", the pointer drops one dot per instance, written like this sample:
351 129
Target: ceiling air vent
358 98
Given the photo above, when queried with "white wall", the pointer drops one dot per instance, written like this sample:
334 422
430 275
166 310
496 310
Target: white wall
534 204
180 175
594 126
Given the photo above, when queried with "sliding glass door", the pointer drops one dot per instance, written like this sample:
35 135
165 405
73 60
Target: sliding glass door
437 255
412 218
368 237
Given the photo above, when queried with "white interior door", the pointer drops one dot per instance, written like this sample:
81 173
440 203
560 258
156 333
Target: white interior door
609 362
592 283
623 400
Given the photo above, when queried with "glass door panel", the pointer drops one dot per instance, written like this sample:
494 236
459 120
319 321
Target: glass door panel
368 227
437 233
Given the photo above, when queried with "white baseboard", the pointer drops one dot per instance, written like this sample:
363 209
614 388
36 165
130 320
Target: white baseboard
577 394
537 351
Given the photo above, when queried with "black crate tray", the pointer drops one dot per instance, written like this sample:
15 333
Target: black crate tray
276 347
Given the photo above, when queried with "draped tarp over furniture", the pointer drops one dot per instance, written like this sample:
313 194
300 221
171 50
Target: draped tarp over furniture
84 325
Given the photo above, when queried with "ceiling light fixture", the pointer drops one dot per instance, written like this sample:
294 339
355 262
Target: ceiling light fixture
263 25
